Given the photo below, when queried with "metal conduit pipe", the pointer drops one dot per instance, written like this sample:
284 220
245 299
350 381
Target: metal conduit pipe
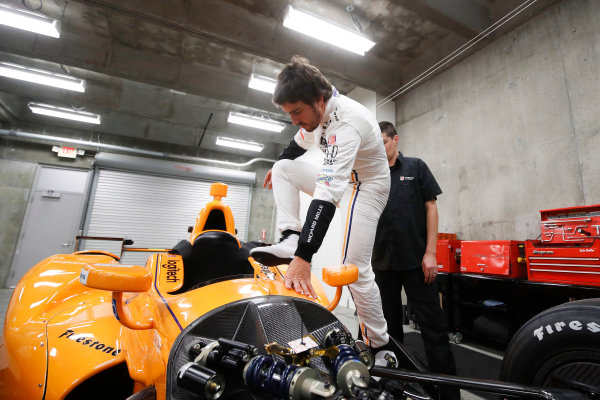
12 134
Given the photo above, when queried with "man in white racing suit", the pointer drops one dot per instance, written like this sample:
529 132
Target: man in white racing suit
354 175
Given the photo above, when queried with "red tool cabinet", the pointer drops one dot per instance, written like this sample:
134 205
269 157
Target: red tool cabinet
570 225
573 263
446 255
493 257
569 247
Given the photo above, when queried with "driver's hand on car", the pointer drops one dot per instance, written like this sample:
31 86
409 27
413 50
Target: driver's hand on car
297 277
268 183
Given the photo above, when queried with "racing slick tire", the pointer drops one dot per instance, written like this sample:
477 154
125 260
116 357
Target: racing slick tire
558 347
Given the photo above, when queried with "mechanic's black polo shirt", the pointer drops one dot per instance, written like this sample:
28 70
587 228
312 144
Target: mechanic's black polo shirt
401 236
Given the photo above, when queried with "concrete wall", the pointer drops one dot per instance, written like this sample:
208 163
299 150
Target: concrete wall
262 211
515 127
369 99
16 178
18 163
366 97
387 111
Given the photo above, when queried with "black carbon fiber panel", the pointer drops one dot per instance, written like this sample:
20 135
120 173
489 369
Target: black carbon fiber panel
314 316
282 322
256 321
250 330
223 323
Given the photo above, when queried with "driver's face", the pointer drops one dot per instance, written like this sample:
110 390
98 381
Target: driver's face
308 116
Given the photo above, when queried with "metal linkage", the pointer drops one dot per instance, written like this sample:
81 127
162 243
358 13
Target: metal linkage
504 388
350 372
281 373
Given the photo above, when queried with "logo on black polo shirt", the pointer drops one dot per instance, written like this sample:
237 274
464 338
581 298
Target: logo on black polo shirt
407 178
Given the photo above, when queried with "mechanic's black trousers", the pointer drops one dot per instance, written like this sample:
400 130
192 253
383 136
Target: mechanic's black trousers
424 302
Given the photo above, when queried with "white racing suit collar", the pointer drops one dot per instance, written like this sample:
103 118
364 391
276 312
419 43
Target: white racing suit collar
335 95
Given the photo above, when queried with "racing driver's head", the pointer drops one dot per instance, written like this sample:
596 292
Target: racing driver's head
302 92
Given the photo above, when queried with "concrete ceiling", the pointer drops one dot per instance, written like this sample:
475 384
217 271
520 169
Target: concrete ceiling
165 74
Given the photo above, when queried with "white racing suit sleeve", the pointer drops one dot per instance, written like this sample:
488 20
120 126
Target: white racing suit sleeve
298 146
343 143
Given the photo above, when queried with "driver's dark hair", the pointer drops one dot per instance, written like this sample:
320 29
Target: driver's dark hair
388 128
301 81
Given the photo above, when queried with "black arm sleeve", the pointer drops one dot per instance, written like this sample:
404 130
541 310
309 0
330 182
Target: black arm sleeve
319 216
291 152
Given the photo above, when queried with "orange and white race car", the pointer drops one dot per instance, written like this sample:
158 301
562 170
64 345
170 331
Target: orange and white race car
205 321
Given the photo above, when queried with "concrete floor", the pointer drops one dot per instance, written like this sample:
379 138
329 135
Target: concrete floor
346 315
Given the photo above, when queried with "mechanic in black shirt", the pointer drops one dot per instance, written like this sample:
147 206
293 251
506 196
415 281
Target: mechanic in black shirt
404 255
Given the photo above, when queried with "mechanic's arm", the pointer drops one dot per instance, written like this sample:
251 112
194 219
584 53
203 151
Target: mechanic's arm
429 262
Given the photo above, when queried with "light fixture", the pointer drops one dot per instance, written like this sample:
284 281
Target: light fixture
42 77
67 113
262 83
255 122
326 31
29 21
239 144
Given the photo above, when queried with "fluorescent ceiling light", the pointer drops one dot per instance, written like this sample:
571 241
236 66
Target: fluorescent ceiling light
29 21
42 77
255 122
67 113
239 144
262 83
326 31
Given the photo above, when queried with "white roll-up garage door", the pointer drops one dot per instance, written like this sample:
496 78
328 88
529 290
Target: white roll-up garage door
153 211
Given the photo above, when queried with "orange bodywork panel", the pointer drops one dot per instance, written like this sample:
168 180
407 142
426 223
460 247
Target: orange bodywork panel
49 288
220 214
73 316
170 273
87 335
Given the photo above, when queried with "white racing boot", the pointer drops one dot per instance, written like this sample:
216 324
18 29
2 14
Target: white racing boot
386 358
280 253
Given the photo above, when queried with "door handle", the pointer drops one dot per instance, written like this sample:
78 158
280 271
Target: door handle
51 194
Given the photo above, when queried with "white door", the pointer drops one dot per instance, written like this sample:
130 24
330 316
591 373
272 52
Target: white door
52 219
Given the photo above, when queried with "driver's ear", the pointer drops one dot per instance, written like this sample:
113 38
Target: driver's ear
320 101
